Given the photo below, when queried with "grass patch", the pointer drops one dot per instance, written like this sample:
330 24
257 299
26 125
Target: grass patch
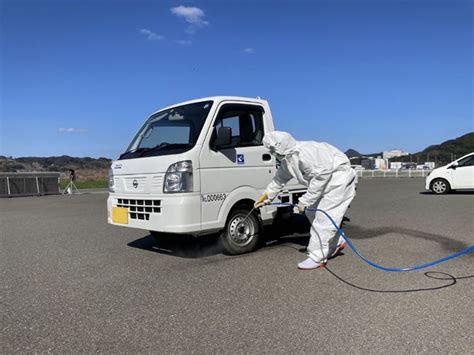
86 184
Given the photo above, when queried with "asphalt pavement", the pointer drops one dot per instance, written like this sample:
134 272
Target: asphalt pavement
72 283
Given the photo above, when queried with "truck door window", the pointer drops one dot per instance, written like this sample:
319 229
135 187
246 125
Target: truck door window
245 121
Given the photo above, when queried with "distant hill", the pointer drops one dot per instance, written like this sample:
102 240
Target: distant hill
86 168
441 154
457 147
352 153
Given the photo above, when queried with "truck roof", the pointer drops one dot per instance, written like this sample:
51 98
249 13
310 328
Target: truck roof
216 98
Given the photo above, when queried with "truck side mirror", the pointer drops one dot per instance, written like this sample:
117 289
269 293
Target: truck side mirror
224 137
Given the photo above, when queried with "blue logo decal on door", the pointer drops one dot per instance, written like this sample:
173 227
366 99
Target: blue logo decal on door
240 159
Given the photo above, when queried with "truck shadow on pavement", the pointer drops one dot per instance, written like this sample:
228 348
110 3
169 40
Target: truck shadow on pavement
294 231
188 246
185 246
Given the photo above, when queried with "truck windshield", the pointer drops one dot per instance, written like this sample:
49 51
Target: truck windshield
171 131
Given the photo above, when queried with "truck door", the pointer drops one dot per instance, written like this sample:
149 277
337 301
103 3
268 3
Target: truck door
463 175
245 162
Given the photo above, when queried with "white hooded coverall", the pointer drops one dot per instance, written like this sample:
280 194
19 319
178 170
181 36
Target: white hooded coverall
330 180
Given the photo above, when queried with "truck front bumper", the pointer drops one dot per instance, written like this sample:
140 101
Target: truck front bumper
168 213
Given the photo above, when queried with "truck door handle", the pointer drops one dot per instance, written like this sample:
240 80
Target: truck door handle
266 157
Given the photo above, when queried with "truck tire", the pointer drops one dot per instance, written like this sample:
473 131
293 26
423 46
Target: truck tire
240 238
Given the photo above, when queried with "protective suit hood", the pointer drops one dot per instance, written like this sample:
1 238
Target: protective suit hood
280 143
312 164
284 146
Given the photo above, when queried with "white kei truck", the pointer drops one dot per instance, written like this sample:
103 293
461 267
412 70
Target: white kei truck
197 168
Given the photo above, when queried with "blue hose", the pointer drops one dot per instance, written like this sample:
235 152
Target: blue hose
380 267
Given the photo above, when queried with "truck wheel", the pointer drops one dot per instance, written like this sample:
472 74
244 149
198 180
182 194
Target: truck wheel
240 236
440 186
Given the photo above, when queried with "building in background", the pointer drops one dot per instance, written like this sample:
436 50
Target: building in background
395 153
381 163
368 163
395 165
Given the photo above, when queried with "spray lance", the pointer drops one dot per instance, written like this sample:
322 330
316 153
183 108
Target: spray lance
241 225
266 200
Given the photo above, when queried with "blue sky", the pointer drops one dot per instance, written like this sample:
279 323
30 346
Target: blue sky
80 77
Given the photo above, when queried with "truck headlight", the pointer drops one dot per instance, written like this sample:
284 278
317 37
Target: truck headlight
179 177
111 181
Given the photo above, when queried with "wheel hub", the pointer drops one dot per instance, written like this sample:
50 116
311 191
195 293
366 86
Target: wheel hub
439 186
241 232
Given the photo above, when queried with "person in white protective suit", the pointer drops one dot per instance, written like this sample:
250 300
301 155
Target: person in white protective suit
331 184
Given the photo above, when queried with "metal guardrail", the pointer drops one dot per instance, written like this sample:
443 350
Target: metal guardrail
402 173
29 184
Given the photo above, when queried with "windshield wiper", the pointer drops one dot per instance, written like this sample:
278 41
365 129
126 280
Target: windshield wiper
140 152
133 151
162 146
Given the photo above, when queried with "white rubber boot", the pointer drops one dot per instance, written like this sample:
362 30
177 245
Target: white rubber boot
309 264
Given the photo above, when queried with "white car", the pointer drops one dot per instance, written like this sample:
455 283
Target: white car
458 175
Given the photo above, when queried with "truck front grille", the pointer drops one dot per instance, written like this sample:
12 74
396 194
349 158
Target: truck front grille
157 183
140 209
135 184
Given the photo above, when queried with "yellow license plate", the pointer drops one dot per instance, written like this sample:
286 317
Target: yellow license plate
120 215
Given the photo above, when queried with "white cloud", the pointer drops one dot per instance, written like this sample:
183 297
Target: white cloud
184 42
71 130
151 36
192 15
249 50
